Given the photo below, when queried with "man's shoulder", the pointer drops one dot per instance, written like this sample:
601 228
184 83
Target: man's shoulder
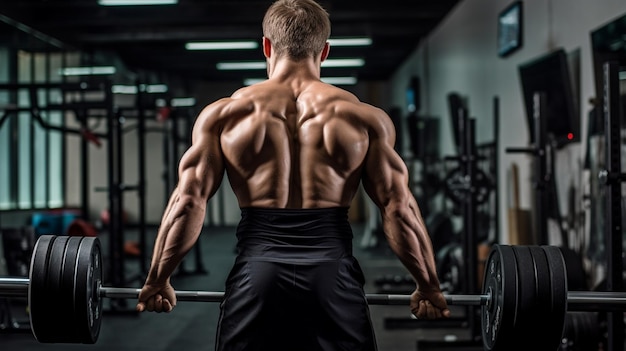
351 105
258 90
224 108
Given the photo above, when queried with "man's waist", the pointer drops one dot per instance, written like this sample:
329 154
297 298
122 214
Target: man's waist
291 235
295 224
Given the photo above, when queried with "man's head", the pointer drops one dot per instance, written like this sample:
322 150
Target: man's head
297 29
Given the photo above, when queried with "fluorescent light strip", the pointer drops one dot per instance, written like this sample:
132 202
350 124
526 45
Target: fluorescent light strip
154 88
237 45
339 80
222 45
87 71
124 89
229 66
350 41
251 81
132 89
136 2
328 80
225 66
183 102
343 63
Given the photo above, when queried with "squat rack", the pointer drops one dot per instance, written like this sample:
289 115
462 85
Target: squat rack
80 110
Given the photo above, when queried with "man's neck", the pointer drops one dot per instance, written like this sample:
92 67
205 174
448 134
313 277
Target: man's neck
285 68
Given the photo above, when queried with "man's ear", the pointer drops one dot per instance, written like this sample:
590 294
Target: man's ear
325 51
267 47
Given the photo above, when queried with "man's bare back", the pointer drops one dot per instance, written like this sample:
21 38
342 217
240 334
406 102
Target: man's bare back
294 148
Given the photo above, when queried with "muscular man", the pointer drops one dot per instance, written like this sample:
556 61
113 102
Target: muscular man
295 151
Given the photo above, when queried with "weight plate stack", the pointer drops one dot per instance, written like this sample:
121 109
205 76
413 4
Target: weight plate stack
499 315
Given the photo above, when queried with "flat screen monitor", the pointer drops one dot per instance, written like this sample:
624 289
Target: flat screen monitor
550 74
510 29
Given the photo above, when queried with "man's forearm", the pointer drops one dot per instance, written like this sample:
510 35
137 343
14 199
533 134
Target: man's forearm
179 230
409 240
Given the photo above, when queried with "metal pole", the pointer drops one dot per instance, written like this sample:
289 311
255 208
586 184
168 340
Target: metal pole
541 168
496 160
141 194
613 222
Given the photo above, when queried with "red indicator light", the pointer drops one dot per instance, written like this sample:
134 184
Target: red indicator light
570 136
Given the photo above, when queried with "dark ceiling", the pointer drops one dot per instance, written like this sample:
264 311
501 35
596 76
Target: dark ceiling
154 37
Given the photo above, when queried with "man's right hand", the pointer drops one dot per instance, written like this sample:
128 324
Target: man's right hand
154 298
429 305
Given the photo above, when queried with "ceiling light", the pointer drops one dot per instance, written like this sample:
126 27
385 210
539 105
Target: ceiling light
132 89
222 45
136 2
339 80
226 66
350 41
250 81
183 102
87 71
154 88
328 80
124 89
343 63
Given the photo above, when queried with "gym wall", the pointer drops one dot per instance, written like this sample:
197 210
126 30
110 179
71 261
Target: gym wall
461 56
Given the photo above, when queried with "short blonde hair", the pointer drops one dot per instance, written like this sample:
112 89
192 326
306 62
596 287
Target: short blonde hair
296 28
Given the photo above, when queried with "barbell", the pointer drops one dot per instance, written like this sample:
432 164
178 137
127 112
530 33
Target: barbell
524 293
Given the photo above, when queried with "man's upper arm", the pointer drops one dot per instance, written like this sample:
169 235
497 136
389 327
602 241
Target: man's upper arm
201 167
386 176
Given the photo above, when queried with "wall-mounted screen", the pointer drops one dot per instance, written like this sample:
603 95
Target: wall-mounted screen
510 29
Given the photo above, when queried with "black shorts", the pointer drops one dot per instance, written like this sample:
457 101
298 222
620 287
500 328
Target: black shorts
295 287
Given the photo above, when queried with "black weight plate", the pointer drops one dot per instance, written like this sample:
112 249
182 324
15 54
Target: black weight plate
558 277
499 315
576 275
38 298
41 300
55 328
86 290
67 290
544 324
525 321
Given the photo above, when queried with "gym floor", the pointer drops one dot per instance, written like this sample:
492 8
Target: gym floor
191 326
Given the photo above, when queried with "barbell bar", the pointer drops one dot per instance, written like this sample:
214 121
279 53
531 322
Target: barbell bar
18 287
576 300
524 293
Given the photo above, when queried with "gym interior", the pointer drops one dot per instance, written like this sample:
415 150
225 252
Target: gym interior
510 117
